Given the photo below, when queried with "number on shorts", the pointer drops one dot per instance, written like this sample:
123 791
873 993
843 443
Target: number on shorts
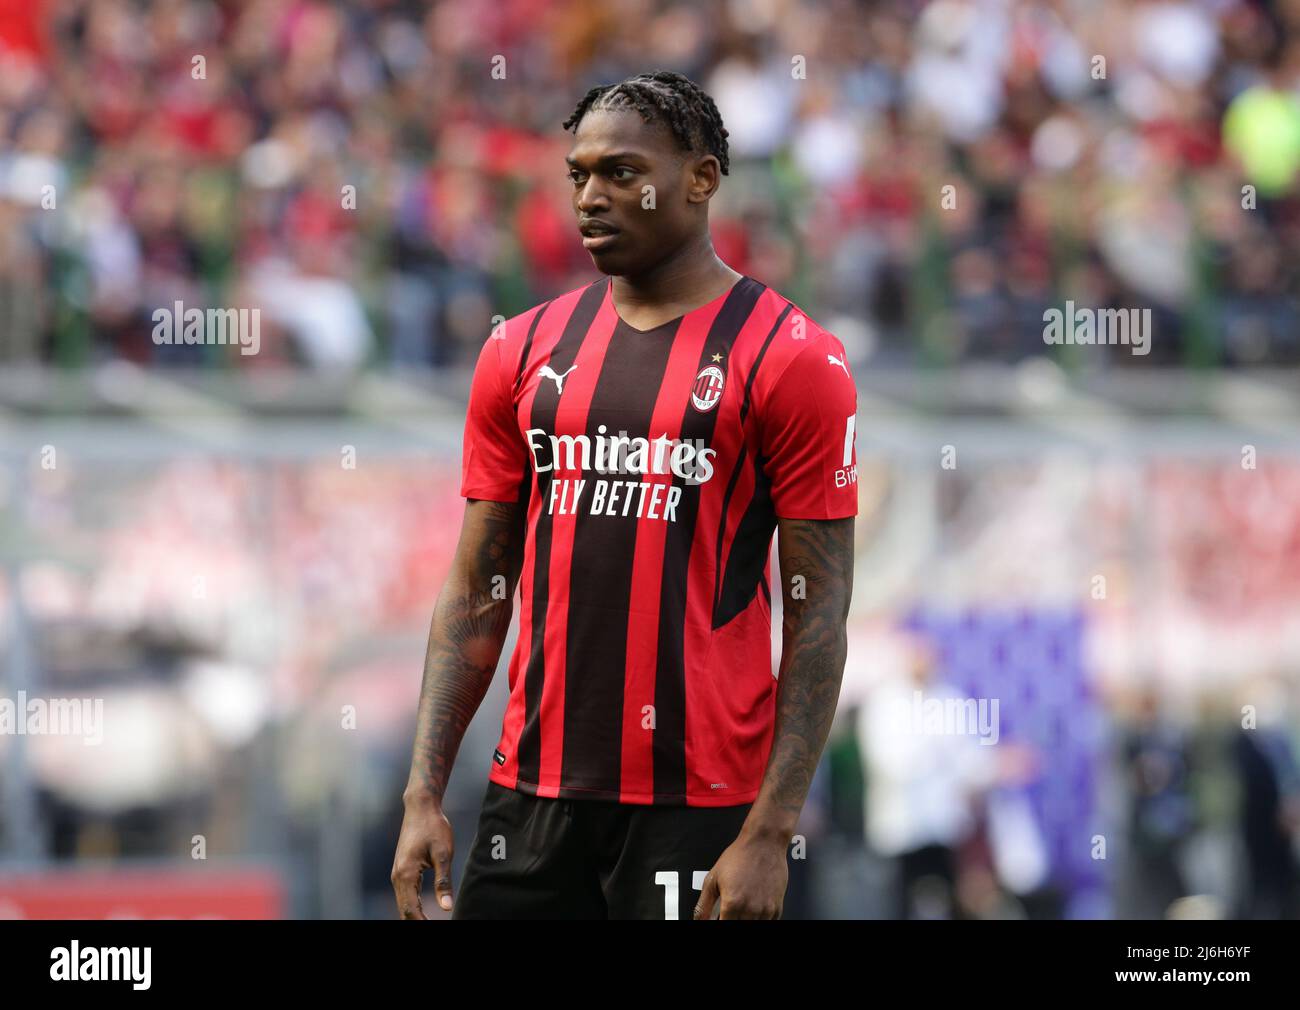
668 878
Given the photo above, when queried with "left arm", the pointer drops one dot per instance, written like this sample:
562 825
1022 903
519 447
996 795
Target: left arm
750 876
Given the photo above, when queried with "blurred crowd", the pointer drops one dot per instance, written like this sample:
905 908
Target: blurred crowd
1191 816
256 634
381 177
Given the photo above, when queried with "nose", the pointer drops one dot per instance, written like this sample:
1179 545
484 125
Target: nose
591 198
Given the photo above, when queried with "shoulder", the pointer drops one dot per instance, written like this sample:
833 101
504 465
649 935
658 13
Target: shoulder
788 343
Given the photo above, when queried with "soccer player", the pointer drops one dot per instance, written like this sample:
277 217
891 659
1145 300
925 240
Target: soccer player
630 447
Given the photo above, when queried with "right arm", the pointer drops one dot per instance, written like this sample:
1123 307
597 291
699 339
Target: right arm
468 630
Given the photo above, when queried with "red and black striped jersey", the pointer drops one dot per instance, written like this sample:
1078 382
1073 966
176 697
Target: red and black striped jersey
655 464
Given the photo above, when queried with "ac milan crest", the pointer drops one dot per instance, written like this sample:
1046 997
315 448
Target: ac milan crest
708 388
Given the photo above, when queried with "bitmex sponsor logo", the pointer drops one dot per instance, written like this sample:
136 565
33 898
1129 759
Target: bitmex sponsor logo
75 963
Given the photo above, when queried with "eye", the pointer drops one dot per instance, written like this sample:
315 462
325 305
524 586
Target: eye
575 176
623 168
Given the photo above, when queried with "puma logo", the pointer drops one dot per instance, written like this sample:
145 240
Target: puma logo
546 372
832 360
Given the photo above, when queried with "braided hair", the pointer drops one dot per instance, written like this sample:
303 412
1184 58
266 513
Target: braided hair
669 97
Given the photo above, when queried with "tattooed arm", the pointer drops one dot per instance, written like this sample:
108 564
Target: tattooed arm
750 876
469 626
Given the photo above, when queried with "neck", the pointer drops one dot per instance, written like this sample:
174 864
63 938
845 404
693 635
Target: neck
692 276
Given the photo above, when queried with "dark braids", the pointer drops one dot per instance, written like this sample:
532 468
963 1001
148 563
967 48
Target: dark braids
670 97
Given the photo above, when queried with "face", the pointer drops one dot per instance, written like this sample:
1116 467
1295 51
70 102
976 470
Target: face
636 194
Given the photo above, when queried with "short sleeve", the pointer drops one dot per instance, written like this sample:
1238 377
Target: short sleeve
808 435
494 458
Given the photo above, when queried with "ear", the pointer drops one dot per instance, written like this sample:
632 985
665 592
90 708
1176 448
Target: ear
705 177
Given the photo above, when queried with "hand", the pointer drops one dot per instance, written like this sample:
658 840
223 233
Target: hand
750 879
425 842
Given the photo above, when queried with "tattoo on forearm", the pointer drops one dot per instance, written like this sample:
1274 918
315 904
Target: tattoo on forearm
813 652
469 625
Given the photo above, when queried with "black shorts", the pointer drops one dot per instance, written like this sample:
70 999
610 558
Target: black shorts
540 858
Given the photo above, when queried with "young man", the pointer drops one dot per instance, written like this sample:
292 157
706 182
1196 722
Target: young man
630 447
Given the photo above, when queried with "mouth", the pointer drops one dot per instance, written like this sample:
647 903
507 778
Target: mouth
599 240
597 234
